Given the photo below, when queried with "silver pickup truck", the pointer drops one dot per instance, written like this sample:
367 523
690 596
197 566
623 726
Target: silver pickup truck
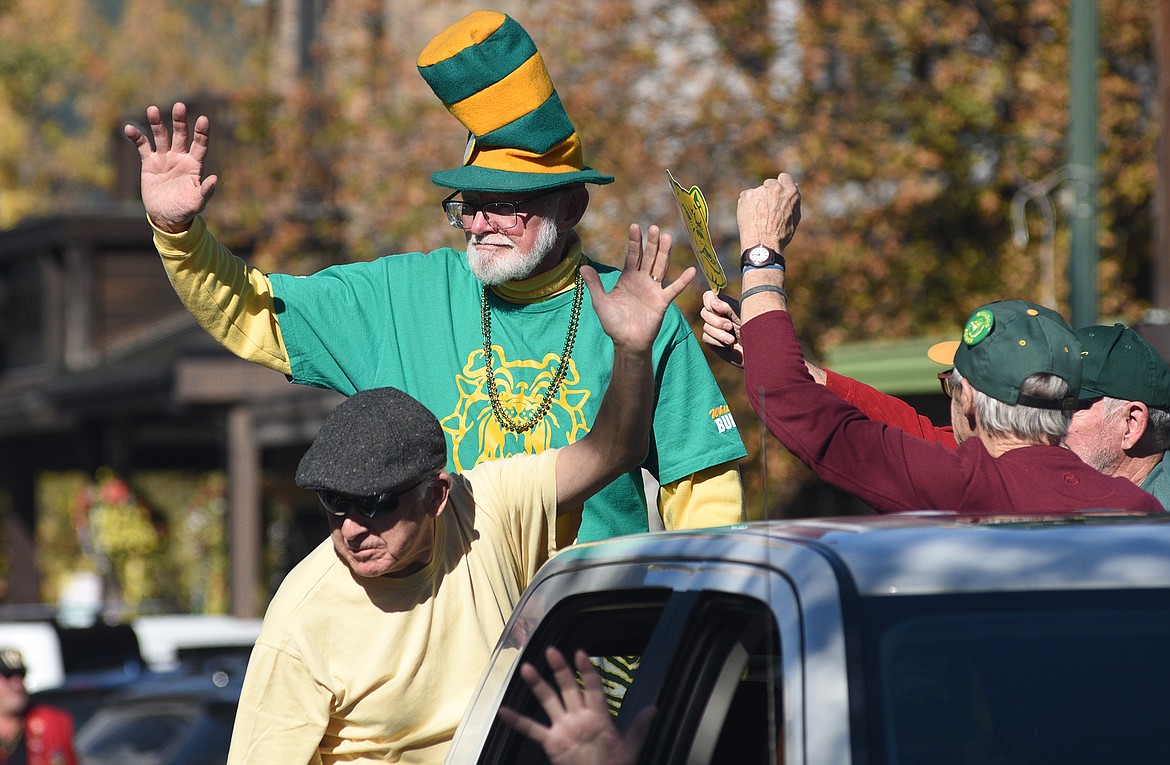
917 639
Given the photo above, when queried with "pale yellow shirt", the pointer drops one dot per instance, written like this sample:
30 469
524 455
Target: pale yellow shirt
380 670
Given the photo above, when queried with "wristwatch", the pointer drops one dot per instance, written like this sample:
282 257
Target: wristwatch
761 256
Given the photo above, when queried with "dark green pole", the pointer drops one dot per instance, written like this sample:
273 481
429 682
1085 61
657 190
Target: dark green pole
1082 163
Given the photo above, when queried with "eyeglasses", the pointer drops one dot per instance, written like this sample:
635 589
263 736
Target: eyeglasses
372 506
8 674
500 215
944 381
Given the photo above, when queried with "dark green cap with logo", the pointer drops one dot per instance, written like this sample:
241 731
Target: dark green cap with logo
1120 363
1007 342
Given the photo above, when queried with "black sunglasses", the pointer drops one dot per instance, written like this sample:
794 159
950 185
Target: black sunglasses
12 673
944 380
372 506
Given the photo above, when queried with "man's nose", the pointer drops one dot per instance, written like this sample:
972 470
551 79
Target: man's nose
353 524
481 225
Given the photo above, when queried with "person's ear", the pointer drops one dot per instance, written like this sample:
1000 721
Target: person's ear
438 491
966 397
573 204
1137 419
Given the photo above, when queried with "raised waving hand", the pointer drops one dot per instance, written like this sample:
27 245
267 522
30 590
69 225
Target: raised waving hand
581 731
631 313
174 190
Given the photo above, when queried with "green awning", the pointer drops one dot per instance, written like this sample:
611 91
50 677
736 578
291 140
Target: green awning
897 367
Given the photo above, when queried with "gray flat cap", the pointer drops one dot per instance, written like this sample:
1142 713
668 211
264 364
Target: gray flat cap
374 441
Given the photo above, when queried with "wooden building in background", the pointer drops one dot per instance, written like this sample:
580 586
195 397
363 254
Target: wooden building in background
101 365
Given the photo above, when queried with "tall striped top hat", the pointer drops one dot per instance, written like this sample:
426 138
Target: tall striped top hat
487 72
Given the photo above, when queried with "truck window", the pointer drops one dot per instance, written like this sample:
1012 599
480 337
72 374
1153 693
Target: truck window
709 661
1022 678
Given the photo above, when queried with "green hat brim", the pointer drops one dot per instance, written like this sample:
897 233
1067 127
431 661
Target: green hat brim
472 178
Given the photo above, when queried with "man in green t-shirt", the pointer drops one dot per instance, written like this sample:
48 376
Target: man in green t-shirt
497 341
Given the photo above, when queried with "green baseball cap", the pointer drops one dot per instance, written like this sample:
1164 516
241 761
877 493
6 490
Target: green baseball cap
486 70
1006 342
1120 363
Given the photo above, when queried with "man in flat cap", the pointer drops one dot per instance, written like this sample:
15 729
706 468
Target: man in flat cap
37 734
1013 390
498 341
373 644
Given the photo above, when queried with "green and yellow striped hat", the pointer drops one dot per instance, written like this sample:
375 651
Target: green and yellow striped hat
487 72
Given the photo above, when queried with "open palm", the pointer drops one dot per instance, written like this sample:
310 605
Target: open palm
174 190
581 731
631 313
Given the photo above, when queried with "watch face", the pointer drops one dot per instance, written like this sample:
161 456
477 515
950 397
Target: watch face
759 256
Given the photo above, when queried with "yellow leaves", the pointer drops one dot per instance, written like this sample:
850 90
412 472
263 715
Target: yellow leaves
989 203
72 70
159 536
1033 80
122 531
112 520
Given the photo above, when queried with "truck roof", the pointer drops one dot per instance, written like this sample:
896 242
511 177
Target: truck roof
926 552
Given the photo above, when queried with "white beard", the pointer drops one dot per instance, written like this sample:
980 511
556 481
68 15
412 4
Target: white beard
496 268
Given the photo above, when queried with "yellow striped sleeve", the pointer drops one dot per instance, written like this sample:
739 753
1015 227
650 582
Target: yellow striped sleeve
228 298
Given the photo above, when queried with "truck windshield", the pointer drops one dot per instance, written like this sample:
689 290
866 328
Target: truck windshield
1018 678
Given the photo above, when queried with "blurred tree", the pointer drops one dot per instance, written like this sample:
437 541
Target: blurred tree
914 127
72 71
41 77
911 125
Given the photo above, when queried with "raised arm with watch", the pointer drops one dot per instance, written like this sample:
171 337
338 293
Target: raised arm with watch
767 216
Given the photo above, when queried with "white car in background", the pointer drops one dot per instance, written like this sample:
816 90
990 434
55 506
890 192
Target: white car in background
53 652
165 639
911 639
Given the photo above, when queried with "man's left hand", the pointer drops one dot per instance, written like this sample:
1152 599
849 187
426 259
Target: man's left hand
581 731
631 313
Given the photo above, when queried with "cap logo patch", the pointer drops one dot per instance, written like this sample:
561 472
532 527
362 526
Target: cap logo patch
978 327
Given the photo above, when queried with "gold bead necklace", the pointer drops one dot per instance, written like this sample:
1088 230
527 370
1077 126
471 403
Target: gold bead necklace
520 426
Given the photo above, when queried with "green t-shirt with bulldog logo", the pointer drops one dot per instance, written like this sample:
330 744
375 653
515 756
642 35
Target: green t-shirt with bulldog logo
414 322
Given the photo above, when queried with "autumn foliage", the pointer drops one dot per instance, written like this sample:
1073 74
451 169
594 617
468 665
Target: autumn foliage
912 127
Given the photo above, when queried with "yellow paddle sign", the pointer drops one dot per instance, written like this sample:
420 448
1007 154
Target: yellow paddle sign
693 209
